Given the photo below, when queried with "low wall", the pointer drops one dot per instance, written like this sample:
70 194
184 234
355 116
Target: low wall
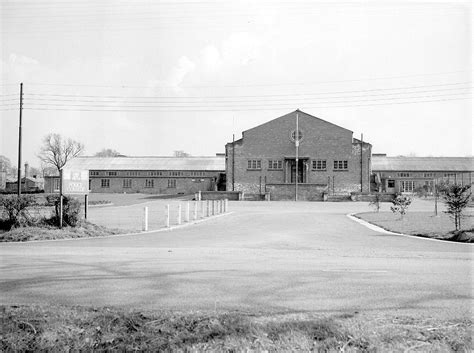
384 197
219 195
306 192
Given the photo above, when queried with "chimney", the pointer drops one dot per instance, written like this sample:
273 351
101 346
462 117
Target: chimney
26 170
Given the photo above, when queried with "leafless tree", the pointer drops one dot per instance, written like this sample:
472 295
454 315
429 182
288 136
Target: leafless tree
57 151
108 152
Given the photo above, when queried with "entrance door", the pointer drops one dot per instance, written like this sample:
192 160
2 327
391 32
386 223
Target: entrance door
301 171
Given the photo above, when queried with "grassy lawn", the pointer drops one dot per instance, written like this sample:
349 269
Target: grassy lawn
84 230
61 328
424 224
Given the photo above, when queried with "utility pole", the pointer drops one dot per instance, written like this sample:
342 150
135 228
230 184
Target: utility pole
361 164
233 162
297 143
19 141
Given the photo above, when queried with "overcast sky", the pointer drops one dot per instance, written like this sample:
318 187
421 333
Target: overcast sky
151 77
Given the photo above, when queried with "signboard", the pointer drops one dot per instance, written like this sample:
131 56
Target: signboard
75 181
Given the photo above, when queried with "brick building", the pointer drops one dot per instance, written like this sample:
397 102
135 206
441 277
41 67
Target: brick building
329 160
156 175
406 174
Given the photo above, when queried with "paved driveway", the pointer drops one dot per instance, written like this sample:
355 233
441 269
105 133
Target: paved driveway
274 256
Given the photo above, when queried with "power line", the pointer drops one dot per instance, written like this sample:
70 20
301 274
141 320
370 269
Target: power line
252 96
243 109
253 99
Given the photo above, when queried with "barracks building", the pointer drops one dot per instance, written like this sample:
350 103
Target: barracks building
296 156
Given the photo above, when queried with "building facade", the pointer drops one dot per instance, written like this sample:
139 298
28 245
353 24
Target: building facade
298 156
407 174
154 175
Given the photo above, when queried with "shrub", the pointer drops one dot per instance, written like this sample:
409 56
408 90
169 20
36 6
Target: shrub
400 205
456 198
71 210
15 209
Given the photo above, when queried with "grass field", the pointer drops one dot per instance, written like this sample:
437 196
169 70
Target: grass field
420 223
61 328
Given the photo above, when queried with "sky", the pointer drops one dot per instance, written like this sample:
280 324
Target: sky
147 78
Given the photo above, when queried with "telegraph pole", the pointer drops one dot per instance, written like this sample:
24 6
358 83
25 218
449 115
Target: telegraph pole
297 143
19 141
361 165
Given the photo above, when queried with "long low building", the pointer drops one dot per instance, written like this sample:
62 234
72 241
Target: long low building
156 175
406 174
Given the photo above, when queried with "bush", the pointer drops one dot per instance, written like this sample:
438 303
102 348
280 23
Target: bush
15 210
400 205
71 210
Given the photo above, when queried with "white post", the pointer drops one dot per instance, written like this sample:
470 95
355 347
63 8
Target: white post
145 220
213 207
220 207
195 213
208 211
179 214
199 195
187 212
167 216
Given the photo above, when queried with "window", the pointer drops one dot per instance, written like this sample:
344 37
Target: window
275 164
105 183
428 175
93 173
175 173
447 175
197 173
407 185
172 183
149 183
340 165
319 164
404 175
112 173
154 173
390 183
254 164
132 173
127 183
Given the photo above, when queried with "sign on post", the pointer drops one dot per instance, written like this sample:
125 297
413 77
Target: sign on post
75 182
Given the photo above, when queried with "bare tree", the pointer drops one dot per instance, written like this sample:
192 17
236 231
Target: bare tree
108 152
57 151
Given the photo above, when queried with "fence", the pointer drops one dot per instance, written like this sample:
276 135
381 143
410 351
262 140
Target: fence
156 215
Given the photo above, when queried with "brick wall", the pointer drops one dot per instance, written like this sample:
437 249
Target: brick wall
184 185
321 140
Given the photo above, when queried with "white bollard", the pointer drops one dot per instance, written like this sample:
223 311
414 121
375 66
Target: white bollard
167 216
178 219
187 212
195 213
145 219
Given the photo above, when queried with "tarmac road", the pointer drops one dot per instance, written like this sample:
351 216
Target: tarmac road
277 256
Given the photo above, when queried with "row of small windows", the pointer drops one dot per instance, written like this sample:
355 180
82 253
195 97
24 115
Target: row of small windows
147 173
127 183
319 164
425 175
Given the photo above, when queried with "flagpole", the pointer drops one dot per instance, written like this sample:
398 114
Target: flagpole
297 142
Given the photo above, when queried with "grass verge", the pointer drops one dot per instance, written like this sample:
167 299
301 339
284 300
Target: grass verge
83 230
61 328
422 224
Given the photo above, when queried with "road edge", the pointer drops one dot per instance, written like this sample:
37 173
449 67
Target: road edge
381 230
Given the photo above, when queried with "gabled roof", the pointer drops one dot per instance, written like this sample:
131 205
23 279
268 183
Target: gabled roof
301 112
216 163
455 164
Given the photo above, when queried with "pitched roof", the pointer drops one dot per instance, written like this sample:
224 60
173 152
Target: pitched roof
216 163
459 164
294 113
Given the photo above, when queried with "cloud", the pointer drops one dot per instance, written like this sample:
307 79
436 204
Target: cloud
180 70
15 59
